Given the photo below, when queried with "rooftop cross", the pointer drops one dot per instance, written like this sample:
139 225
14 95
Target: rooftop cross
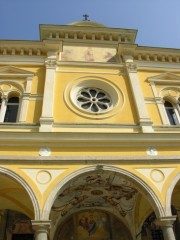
86 17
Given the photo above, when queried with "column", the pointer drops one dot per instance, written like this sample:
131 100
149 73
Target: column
166 224
41 229
46 119
23 108
144 120
3 108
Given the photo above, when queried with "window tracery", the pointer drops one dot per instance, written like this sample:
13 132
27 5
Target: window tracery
93 100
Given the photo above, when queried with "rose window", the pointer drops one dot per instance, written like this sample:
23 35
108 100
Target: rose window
93 100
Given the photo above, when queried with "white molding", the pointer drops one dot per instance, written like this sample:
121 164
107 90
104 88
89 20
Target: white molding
61 160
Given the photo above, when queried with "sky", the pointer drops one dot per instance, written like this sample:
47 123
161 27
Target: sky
157 21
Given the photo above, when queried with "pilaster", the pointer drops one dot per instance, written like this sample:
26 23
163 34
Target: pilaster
144 120
25 101
162 111
46 119
41 229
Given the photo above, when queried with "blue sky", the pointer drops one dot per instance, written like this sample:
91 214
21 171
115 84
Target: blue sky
157 21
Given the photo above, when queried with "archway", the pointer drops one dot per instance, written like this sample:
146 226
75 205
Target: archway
100 188
17 195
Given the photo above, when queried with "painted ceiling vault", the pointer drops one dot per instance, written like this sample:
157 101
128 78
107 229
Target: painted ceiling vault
96 190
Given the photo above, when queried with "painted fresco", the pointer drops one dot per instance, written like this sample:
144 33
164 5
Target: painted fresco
96 190
93 225
88 54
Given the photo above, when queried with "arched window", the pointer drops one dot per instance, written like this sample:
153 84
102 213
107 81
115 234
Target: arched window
12 109
172 113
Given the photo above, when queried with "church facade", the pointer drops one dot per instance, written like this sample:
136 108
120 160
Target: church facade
89 136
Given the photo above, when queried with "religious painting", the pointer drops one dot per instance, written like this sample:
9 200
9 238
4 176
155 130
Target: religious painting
88 54
93 225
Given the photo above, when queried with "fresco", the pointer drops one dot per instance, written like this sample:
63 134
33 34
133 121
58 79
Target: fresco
97 190
88 54
93 225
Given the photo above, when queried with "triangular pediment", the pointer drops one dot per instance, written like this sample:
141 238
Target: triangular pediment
165 76
14 71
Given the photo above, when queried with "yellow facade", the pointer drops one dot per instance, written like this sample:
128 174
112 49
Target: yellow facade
90 136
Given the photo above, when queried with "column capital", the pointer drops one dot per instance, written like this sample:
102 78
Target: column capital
167 221
131 67
50 63
41 225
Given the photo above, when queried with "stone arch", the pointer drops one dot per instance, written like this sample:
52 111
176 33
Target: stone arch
169 194
142 187
26 187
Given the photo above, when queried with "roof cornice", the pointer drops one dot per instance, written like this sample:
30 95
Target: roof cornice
86 33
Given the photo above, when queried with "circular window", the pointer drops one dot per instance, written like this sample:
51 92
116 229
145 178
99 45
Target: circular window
93 100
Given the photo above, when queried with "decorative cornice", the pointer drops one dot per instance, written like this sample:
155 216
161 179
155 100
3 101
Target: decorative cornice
150 54
85 33
22 48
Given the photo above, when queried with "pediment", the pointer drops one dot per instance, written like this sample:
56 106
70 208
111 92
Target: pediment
10 71
164 77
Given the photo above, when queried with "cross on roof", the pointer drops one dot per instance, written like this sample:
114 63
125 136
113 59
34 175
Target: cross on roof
86 17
